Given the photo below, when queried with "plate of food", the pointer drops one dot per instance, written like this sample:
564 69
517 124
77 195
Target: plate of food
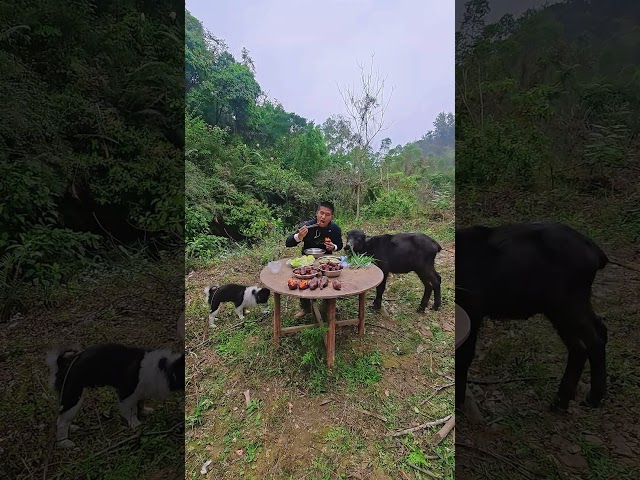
306 273
331 269
329 258
304 261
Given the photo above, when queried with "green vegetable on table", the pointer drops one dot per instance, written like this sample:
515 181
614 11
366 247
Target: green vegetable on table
357 260
302 261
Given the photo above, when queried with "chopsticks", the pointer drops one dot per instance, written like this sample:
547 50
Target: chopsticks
308 226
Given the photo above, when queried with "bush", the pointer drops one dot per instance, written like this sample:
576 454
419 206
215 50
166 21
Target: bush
206 247
394 203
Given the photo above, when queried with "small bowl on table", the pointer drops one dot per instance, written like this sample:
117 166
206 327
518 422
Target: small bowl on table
302 276
329 258
316 252
331 273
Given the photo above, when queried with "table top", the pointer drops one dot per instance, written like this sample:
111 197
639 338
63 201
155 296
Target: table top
463 325
353 280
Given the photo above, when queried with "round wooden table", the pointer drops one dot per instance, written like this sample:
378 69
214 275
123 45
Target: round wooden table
354 282
463 326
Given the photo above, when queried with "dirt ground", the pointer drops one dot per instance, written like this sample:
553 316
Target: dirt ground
259 411
522 439
122 307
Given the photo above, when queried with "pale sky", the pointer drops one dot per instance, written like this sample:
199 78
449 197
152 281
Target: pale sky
303 51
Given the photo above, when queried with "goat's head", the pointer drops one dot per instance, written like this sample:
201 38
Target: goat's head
355 241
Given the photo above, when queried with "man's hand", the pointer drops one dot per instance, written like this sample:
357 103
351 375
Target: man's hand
329 246
303 232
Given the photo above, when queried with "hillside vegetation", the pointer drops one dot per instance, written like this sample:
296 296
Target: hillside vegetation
254 169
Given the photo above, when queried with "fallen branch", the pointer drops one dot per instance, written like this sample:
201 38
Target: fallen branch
525 471
426 472
439 389
510 380
419 427
444 431
623 265
404 475
366 412
134 437
381 326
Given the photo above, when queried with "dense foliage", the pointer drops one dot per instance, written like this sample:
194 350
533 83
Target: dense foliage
548 113
254 169
90 134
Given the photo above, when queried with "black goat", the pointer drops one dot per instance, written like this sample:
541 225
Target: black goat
401 253
517 270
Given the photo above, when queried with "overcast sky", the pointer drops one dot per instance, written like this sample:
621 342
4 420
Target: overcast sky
303 51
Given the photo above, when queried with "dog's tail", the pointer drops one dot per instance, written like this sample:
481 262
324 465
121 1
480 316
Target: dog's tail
58 360
210 291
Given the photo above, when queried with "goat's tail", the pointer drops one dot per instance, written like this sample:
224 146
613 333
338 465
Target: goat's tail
58 360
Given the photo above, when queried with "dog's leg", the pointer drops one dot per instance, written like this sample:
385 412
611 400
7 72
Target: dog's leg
144 410
129 410
240 312
69 408
215 309
212 316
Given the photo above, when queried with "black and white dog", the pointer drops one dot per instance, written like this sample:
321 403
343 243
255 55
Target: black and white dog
241 296
136 374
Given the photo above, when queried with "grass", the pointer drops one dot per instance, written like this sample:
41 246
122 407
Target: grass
305 420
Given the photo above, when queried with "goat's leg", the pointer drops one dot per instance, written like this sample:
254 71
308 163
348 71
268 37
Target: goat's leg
598 361
572 373
426 277
377 302
436 281
578 333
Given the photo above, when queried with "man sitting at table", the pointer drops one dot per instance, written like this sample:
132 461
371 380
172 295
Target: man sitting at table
320 232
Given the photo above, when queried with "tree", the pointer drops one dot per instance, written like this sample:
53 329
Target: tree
366 107
338 136
247 61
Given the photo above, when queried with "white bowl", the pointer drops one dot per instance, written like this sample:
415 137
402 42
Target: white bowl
274 267
316 252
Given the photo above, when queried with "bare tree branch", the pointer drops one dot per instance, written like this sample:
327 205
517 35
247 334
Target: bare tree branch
366 107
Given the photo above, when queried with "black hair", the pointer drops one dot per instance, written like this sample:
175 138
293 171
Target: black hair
328 205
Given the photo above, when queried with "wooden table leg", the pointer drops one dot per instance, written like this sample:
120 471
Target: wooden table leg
276 318
361 313
331 334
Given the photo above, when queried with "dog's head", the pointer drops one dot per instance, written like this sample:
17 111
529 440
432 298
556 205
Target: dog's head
262 295
174 371
209 292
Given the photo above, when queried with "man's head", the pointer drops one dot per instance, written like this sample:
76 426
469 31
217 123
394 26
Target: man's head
324 214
